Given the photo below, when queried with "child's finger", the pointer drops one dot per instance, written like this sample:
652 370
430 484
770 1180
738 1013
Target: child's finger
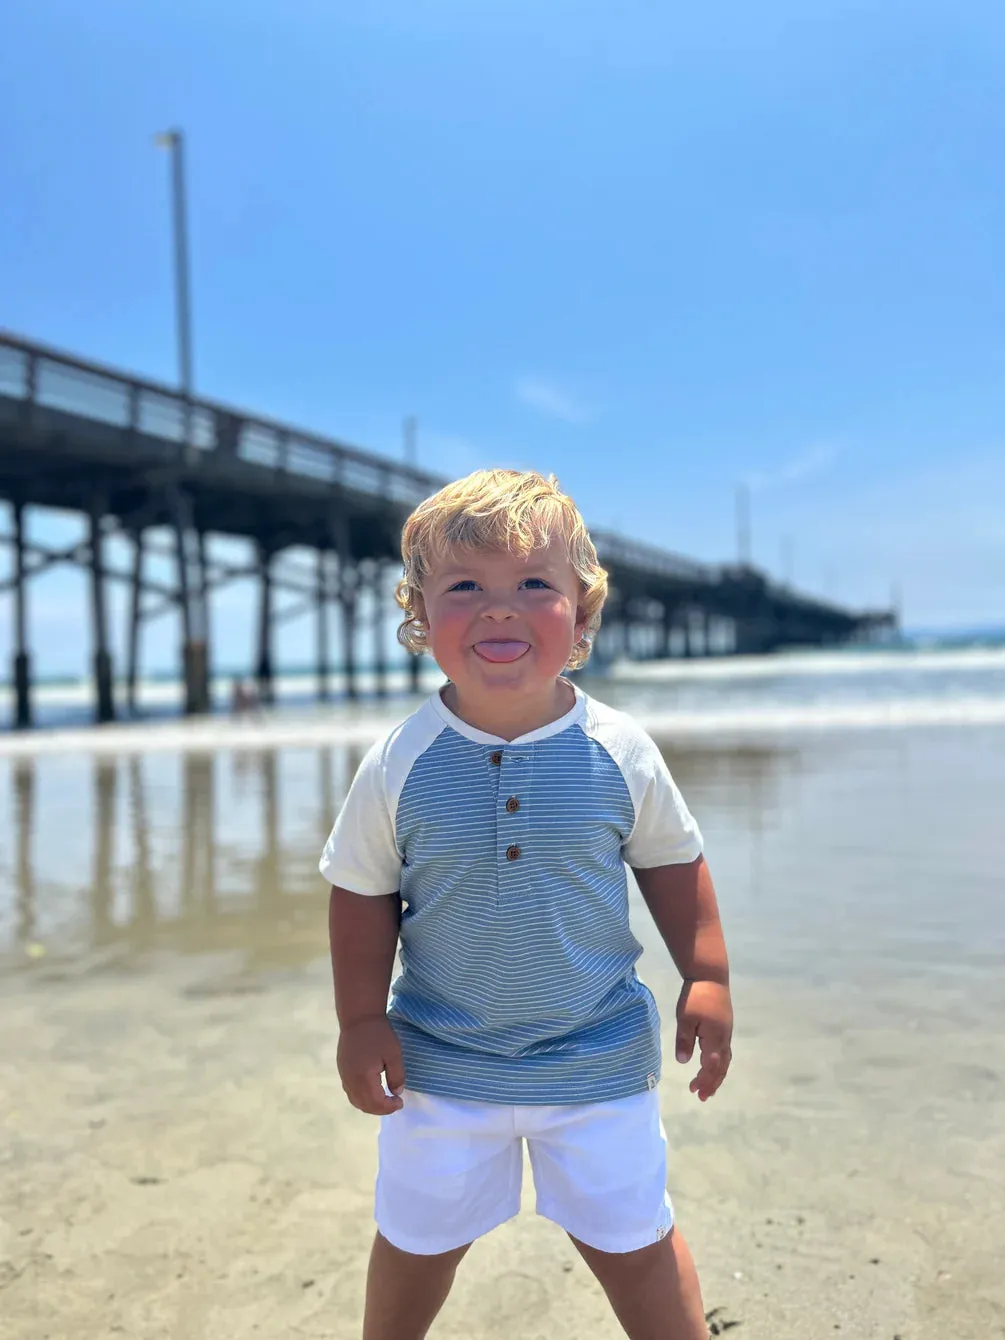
394 1072
712 1072
703 1084
368 1095
684 1046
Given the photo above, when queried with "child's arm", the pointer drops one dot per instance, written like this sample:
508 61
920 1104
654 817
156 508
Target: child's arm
363 932
682 901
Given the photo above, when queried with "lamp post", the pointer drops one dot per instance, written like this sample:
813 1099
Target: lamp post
743 544
174 142
191 558
788 560
410 430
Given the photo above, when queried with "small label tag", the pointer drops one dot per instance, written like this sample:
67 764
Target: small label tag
661 1233
651 1081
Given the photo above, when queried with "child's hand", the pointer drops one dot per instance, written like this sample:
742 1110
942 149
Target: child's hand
705 1012
365 1051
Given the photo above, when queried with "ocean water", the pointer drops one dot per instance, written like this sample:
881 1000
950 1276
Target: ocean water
795 680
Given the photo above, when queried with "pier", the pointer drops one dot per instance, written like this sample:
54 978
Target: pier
140 460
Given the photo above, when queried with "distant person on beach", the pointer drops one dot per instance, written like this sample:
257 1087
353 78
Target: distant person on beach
242 698
490 834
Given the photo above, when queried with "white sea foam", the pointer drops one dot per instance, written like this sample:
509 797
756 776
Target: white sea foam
813 663
169 693
924 688
152 694
342 727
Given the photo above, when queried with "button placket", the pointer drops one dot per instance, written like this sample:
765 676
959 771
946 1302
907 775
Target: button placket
512 812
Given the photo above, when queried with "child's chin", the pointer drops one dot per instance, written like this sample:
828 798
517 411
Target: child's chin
505 672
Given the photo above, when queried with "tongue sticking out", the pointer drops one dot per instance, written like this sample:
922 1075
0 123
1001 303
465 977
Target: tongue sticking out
501 652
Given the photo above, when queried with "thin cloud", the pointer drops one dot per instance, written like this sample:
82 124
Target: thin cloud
813 461
451 454
552 400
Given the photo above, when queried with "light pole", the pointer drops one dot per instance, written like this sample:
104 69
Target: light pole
410 430
788 561
743 545
191 556
174 142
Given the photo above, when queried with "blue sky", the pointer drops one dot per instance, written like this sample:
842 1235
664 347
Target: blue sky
656 249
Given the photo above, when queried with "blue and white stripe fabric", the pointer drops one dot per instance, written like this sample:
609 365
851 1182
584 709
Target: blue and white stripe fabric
518 980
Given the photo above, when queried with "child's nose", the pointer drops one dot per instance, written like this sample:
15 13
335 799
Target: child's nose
498 607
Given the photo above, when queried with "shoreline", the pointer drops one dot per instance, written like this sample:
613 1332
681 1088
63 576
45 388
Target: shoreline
336 727
165 691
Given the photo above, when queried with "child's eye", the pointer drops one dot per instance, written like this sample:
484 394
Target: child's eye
466 585
536 584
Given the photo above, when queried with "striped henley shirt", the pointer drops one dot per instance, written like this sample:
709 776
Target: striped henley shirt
518 981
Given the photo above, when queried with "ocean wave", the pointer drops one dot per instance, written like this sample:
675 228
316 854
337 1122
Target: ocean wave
782 664
212 735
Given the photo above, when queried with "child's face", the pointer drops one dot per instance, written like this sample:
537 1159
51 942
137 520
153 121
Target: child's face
499 622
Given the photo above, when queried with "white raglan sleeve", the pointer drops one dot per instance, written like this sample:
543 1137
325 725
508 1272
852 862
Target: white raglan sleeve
360 854
665 831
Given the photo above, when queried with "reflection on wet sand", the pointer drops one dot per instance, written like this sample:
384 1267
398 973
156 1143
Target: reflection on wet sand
24 803
861 884
217 852
220 857
745 780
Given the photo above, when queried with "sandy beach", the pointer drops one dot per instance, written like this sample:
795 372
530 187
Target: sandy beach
177 1161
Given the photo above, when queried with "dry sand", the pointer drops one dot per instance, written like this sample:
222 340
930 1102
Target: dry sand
177 1160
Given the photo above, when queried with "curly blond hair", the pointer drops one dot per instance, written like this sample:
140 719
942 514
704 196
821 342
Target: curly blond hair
518 510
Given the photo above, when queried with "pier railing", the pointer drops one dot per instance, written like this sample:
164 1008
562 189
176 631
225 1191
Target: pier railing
616 549
39 385
41 377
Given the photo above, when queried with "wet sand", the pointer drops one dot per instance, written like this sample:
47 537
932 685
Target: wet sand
177 1160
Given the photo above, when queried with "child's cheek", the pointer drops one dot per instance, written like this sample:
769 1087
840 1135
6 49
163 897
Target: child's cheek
446 634
557 622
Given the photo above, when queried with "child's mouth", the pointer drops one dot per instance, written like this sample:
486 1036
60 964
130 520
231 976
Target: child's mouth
501 652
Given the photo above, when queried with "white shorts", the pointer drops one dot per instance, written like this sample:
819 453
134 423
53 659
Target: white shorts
450 1171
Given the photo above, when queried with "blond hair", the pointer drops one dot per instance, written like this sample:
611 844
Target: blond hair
516 510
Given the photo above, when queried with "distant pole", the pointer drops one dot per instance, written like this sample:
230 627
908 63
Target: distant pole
743 541
788 561
174 141
192 595
409 434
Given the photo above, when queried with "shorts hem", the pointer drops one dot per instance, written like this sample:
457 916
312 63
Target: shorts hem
616 1244
434 1246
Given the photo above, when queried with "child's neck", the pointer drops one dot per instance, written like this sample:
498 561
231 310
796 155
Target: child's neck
511 717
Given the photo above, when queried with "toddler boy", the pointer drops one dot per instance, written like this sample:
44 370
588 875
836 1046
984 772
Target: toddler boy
489 834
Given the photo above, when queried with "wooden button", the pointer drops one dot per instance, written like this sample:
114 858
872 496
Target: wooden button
495 758
513 853
512 805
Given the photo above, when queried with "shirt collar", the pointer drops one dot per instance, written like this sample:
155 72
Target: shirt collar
575 714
